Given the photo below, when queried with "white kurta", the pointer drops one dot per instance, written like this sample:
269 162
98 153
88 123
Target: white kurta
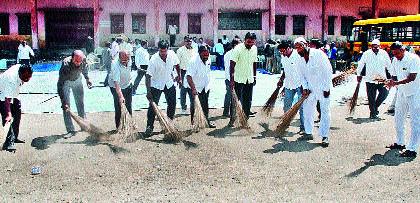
163 73
375 65
200 74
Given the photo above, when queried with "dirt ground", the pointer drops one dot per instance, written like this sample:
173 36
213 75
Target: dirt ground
215 165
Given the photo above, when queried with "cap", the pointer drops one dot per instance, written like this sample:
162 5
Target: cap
300 40
376 42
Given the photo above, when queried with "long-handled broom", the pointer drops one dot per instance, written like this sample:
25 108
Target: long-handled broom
126 130
4 130
172 134
339 79
200 120
288 116
96 132
353 101
269 105
240 114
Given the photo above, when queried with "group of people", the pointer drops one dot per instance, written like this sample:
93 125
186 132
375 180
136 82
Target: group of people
307 73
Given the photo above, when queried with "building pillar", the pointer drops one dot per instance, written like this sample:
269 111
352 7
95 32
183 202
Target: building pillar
324 19
96 13
215 21
157 21
375 8
272 25
34 24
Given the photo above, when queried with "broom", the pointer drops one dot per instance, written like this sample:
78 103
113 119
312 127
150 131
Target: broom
200 120
269 105
172 134
240 114
96 132
4 131
127 126
287 117
339 79
353 100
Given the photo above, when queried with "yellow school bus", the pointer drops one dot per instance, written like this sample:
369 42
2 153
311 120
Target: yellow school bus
405 29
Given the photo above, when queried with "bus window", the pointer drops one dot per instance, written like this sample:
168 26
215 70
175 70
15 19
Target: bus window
375 33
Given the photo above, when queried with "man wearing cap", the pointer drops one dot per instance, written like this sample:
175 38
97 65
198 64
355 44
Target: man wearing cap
375 63
186 55
243 73
291 77
404 70
316 83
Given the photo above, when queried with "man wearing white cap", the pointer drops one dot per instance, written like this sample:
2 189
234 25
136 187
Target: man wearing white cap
404 71
375 63
316 82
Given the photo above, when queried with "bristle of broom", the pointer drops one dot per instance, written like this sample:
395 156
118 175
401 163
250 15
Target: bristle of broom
172 134
269 105
288 116
353 100
93 130
339 79
240 114
199 119
126 130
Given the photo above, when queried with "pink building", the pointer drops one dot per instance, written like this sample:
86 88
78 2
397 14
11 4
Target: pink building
51 23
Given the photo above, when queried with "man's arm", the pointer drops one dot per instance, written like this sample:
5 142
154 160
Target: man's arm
394 82
281 80
85 72
232 73
191 84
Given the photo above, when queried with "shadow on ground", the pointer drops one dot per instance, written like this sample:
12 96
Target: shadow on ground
362 120
42 143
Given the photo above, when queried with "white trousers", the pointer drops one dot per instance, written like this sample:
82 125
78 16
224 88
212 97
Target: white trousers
309 108
403 105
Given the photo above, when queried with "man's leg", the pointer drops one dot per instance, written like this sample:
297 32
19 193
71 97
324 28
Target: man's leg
183 92
228 98
414 107
247 98
128 96
391 108
383 93
301 116
288 99
140 74
10 138
16 113
371 94
106 78
325 122
78 94
308 111
203 96
150 112
401 108
67 118
117 107
170 96
192 106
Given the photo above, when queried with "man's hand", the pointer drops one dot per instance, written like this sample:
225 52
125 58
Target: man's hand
194 91
122 100
280 83
65 107
390 83
306 92
232 84
9 117
326 94
149 96
359 78
89 83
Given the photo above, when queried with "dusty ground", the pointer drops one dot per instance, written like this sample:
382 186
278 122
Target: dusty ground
221 165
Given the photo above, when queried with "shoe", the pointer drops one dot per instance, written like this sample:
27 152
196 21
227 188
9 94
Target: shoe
306 137
408 153
10 148
148 132
17 141
252 113
211 125
69 135
396 146
373 116
391 110
325 142
231 123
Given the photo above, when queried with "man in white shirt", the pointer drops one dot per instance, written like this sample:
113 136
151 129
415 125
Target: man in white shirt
186 55
161 76
316 82
172 31
373 66
24 53
228 96
198 79
142 61
115 47
10 82
291 78
404 71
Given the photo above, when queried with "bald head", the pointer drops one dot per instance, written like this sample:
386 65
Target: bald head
124 57
78 57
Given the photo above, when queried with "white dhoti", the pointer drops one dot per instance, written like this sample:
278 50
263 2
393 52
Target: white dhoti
309 108
403 105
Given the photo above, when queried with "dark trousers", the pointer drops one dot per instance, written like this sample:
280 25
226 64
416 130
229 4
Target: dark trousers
244 93
203 96
16 111
106 78
127 93
140 73
25 61
228 99
183 92
375 101
172 39
170 96
219 61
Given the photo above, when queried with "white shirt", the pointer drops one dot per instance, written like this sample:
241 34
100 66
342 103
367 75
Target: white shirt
172 30
317 73
410 63
142 57
375 65
194 45
200 74
163 73
115 49
293 77
24 52
120 74
228 57
10 83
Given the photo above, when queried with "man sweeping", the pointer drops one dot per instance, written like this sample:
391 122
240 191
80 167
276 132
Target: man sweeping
198 78
243 73
317 75
10 82
161 76
291 78
70 79
228 95
404 70
376 62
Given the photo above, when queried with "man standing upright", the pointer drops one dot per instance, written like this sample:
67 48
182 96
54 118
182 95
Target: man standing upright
142 61
317 75
24 53
186 55
70 79
228 95
375 63
106 60
172 30
243 73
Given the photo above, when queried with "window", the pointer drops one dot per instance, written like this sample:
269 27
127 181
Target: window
331 21
280 25
240 21
138 23
4 24
194 23
346 25
24 24
299 25
117 23
172 19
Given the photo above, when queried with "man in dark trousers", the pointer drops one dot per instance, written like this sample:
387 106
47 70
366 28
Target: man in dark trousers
10 107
